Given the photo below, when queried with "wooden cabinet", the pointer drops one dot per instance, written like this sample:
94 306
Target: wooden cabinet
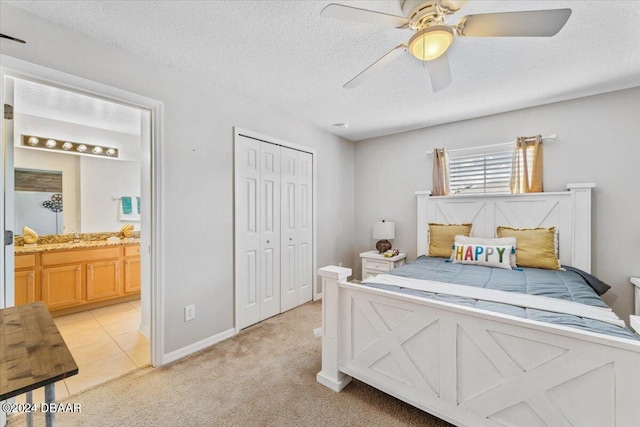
103 280
25 283
132 282
25 287
62 286
70 278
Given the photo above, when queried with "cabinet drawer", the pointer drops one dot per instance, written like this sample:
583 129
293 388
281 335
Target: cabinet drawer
132 251
83 255
371 264
367 274
25 261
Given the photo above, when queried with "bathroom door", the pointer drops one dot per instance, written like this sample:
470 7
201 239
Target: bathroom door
7 204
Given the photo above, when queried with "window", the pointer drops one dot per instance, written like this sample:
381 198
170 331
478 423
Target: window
480 173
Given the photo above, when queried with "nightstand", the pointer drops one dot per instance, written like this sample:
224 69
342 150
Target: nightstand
634 321
373 263
635 281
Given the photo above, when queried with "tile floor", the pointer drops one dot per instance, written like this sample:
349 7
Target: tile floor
105 342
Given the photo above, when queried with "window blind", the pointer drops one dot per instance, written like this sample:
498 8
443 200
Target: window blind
480 173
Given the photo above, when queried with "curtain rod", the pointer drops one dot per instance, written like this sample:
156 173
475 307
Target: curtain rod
430 153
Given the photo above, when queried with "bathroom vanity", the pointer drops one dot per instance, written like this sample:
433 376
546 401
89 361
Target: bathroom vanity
75 276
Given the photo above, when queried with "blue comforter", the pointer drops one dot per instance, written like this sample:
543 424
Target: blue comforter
564 285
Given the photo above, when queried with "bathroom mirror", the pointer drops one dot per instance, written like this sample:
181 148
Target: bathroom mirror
90 189
39 201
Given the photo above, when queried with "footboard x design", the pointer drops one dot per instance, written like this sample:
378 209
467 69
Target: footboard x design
477 368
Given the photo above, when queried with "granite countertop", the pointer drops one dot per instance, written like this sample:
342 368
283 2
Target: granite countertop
73 245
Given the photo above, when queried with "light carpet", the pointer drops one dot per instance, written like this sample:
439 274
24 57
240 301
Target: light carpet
264 376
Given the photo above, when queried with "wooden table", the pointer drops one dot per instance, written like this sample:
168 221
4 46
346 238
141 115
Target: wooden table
32 354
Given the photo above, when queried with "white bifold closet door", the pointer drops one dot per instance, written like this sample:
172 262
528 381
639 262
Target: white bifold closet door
273 229
296 228
257 221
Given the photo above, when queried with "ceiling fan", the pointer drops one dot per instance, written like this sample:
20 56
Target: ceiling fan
433 36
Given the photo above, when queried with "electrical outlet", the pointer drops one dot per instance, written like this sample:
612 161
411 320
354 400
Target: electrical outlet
189 313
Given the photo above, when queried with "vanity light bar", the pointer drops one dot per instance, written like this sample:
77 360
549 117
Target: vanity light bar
68 146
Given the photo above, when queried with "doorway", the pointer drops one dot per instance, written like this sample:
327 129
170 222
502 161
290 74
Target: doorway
147 204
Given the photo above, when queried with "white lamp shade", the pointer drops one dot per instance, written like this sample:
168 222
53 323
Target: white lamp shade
384 230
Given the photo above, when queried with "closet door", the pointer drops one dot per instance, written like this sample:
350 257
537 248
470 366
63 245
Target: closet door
289 228
304 207
270 231
257 225
247 230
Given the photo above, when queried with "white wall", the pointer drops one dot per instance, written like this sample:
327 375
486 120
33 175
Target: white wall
29 212
100 180
69 166
597 142
198 168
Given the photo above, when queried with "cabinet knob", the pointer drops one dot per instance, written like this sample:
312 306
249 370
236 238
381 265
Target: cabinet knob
78 269
127 263
30 274
268 241
290 238
91 267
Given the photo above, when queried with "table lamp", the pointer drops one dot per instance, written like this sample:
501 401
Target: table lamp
383 230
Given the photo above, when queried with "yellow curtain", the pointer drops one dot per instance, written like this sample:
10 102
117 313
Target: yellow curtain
440 172
526 167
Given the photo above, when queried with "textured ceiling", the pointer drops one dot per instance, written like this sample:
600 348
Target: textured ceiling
283 54
57 104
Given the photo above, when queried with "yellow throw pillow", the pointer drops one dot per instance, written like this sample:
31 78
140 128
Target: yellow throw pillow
442 236
535 247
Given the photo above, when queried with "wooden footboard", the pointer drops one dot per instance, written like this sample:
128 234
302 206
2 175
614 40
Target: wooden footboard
472 367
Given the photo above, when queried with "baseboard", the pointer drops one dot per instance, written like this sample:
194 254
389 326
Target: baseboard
197 346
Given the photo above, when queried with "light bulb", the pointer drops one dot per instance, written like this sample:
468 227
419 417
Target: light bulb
430 43
51 143
33 141
97 150
67 146
111 151
82 148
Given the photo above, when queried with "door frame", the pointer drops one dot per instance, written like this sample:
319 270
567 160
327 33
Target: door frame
237 132
154 244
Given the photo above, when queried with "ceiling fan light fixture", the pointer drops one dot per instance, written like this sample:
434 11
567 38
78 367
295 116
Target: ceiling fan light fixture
431 42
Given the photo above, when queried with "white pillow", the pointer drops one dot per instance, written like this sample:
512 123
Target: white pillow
496 241
486 255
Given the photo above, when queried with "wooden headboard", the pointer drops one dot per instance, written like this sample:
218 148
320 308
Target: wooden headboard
569 212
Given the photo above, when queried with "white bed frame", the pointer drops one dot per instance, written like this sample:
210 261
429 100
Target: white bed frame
477 368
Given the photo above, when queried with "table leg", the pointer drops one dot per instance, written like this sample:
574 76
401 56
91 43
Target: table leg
50 398
29 396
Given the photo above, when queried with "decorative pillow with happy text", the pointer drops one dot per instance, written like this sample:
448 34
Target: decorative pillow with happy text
484 241
486 255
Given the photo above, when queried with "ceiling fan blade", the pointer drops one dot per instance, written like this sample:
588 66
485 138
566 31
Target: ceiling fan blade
348 13
439 72
452 6
380 63
533 23
4 36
